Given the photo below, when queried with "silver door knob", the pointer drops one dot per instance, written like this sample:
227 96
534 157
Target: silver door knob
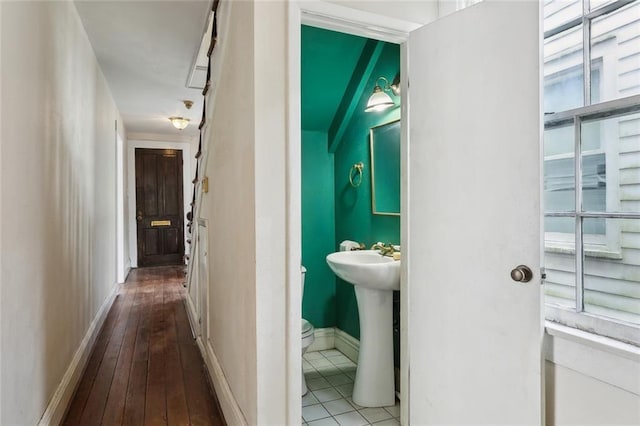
522 274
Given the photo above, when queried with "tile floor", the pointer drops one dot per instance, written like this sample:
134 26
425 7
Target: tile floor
330 376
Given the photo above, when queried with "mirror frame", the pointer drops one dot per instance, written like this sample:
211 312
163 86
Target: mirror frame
373 168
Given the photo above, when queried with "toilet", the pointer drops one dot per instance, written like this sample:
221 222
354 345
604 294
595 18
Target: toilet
307 333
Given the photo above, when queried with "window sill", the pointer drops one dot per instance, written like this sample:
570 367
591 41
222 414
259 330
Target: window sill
596 357
589 251
601 343
593 325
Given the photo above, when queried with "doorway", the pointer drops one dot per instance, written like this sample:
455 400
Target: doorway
159 207
455 133
338 205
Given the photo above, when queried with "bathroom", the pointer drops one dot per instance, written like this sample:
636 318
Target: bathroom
339 74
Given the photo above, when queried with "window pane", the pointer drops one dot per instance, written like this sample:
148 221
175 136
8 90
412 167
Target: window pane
559 141
558 12
612 274
563 73
595 4
615 49
611 165
559 172
559 262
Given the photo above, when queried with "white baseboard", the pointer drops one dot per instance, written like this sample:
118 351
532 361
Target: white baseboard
323 339
347 344
230 409
192 316
58 404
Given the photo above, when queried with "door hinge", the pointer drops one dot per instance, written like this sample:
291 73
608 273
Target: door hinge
543 275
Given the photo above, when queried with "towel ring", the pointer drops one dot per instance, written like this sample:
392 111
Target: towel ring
355 174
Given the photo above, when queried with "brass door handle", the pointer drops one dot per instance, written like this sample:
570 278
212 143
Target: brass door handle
522 274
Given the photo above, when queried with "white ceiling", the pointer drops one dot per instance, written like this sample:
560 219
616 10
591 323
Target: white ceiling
146 50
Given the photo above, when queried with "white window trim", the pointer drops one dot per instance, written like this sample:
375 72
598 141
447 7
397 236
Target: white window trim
594 324
607 246
576 318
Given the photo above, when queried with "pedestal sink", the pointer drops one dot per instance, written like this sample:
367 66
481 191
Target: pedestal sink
374 277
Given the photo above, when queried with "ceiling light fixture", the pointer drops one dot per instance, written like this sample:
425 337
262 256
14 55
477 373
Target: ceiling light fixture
179 122
379 100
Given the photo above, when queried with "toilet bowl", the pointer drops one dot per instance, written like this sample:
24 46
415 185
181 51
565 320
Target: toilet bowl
307 334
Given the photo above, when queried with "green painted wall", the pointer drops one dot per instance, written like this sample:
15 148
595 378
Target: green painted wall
353 217
318 230
332 210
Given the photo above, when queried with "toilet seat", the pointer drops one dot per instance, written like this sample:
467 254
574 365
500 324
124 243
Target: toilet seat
307 328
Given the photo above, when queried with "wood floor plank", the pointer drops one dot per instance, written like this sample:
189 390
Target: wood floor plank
145 367
177 411
114 408
156 402
74 412
203 406
94 408
133 414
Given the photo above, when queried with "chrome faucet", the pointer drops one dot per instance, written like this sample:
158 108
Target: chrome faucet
387 250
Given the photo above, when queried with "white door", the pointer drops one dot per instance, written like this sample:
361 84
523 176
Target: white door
474 215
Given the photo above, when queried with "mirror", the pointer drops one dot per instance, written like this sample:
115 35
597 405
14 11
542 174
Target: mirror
384 141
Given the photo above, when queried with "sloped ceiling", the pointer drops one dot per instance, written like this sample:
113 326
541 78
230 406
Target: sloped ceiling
146 50
328 61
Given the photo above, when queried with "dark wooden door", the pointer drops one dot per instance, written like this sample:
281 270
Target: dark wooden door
159 207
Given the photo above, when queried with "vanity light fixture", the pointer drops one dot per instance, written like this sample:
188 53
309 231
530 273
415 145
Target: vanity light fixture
179 122
379 100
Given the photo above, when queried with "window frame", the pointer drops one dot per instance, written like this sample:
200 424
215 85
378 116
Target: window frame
577 244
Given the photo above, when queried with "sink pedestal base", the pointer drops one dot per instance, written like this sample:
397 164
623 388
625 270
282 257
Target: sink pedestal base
374 383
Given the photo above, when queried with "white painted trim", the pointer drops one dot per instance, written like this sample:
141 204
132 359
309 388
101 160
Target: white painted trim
127 269
348 345
230 408
130 214
1 198
121 238
343 19
598 357
293 192
58 404
324 338
192 315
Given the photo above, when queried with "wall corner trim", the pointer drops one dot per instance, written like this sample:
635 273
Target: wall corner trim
57 407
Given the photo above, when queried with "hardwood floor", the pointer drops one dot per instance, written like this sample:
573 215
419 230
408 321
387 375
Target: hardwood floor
145 368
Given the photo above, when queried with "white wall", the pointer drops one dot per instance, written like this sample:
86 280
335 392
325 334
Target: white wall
245 332
230 208
420 12
58 200
590 380
1 204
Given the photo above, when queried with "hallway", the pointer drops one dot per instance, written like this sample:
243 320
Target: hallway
145 367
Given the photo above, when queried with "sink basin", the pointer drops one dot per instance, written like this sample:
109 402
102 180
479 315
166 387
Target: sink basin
366 268
374 277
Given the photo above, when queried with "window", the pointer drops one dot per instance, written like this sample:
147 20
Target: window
592 165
